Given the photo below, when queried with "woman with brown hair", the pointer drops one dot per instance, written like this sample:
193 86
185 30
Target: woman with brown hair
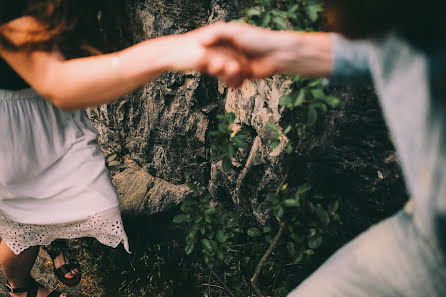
53 180
400 47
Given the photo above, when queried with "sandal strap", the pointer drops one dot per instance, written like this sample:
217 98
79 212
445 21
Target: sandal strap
64 269
52 251
32 291
54 294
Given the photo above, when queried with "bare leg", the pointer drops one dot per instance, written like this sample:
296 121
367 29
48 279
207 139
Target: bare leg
17 268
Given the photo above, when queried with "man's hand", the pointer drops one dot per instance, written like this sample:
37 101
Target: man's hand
272 52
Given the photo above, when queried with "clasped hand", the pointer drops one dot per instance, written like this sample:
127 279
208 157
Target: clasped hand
237 52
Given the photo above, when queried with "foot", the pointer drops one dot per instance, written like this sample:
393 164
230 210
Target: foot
59 261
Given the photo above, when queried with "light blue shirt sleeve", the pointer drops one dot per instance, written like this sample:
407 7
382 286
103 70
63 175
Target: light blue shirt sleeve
351 61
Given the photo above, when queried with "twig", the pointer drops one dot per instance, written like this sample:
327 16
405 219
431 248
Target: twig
222 282
265 258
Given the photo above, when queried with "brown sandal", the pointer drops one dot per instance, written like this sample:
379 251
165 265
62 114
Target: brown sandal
54 250
31 291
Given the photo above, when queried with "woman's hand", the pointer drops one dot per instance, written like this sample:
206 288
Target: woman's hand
270 52
223 61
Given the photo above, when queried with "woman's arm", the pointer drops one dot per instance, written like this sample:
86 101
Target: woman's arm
91 81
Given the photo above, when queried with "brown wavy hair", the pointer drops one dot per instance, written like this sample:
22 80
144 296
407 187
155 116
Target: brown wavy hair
420 22
77 27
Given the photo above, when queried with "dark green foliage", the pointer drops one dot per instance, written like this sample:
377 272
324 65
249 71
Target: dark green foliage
225 142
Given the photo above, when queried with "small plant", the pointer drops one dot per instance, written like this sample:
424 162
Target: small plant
225 142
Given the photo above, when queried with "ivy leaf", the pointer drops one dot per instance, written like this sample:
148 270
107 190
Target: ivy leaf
192 186
286 100
299 258
266 20
210 211
311 116
275 143
318 94
189 248
315 243
291 248
240 140
313 9
250 12
300 99
226 164
221 236
322 215
333 207
179 218
233 223
272 127
206 244
280 212
291 203
254 232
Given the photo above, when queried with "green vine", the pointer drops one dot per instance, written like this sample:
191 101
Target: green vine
302 217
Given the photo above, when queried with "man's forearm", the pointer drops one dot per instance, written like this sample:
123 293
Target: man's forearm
304 53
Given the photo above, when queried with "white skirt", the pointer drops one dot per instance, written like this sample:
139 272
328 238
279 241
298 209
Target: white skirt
53 179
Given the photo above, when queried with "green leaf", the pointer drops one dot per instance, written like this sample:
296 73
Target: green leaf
311 116
319 105
312 232
280 212
315 83
254 232
226 164
179 218
231 117
189 248
300 99
322 215
309 252
266 20
315 243
333 207
304 188
240 140
291 203
313 9
333 102
318 94
221 236
299 258
224 128
191 235
291 248
274 144
210 211
279 22
267 229
192 186
250 12
272 127
198 219
286 100
206 244
233 223
289 148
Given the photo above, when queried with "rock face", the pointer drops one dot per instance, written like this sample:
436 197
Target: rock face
156 139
